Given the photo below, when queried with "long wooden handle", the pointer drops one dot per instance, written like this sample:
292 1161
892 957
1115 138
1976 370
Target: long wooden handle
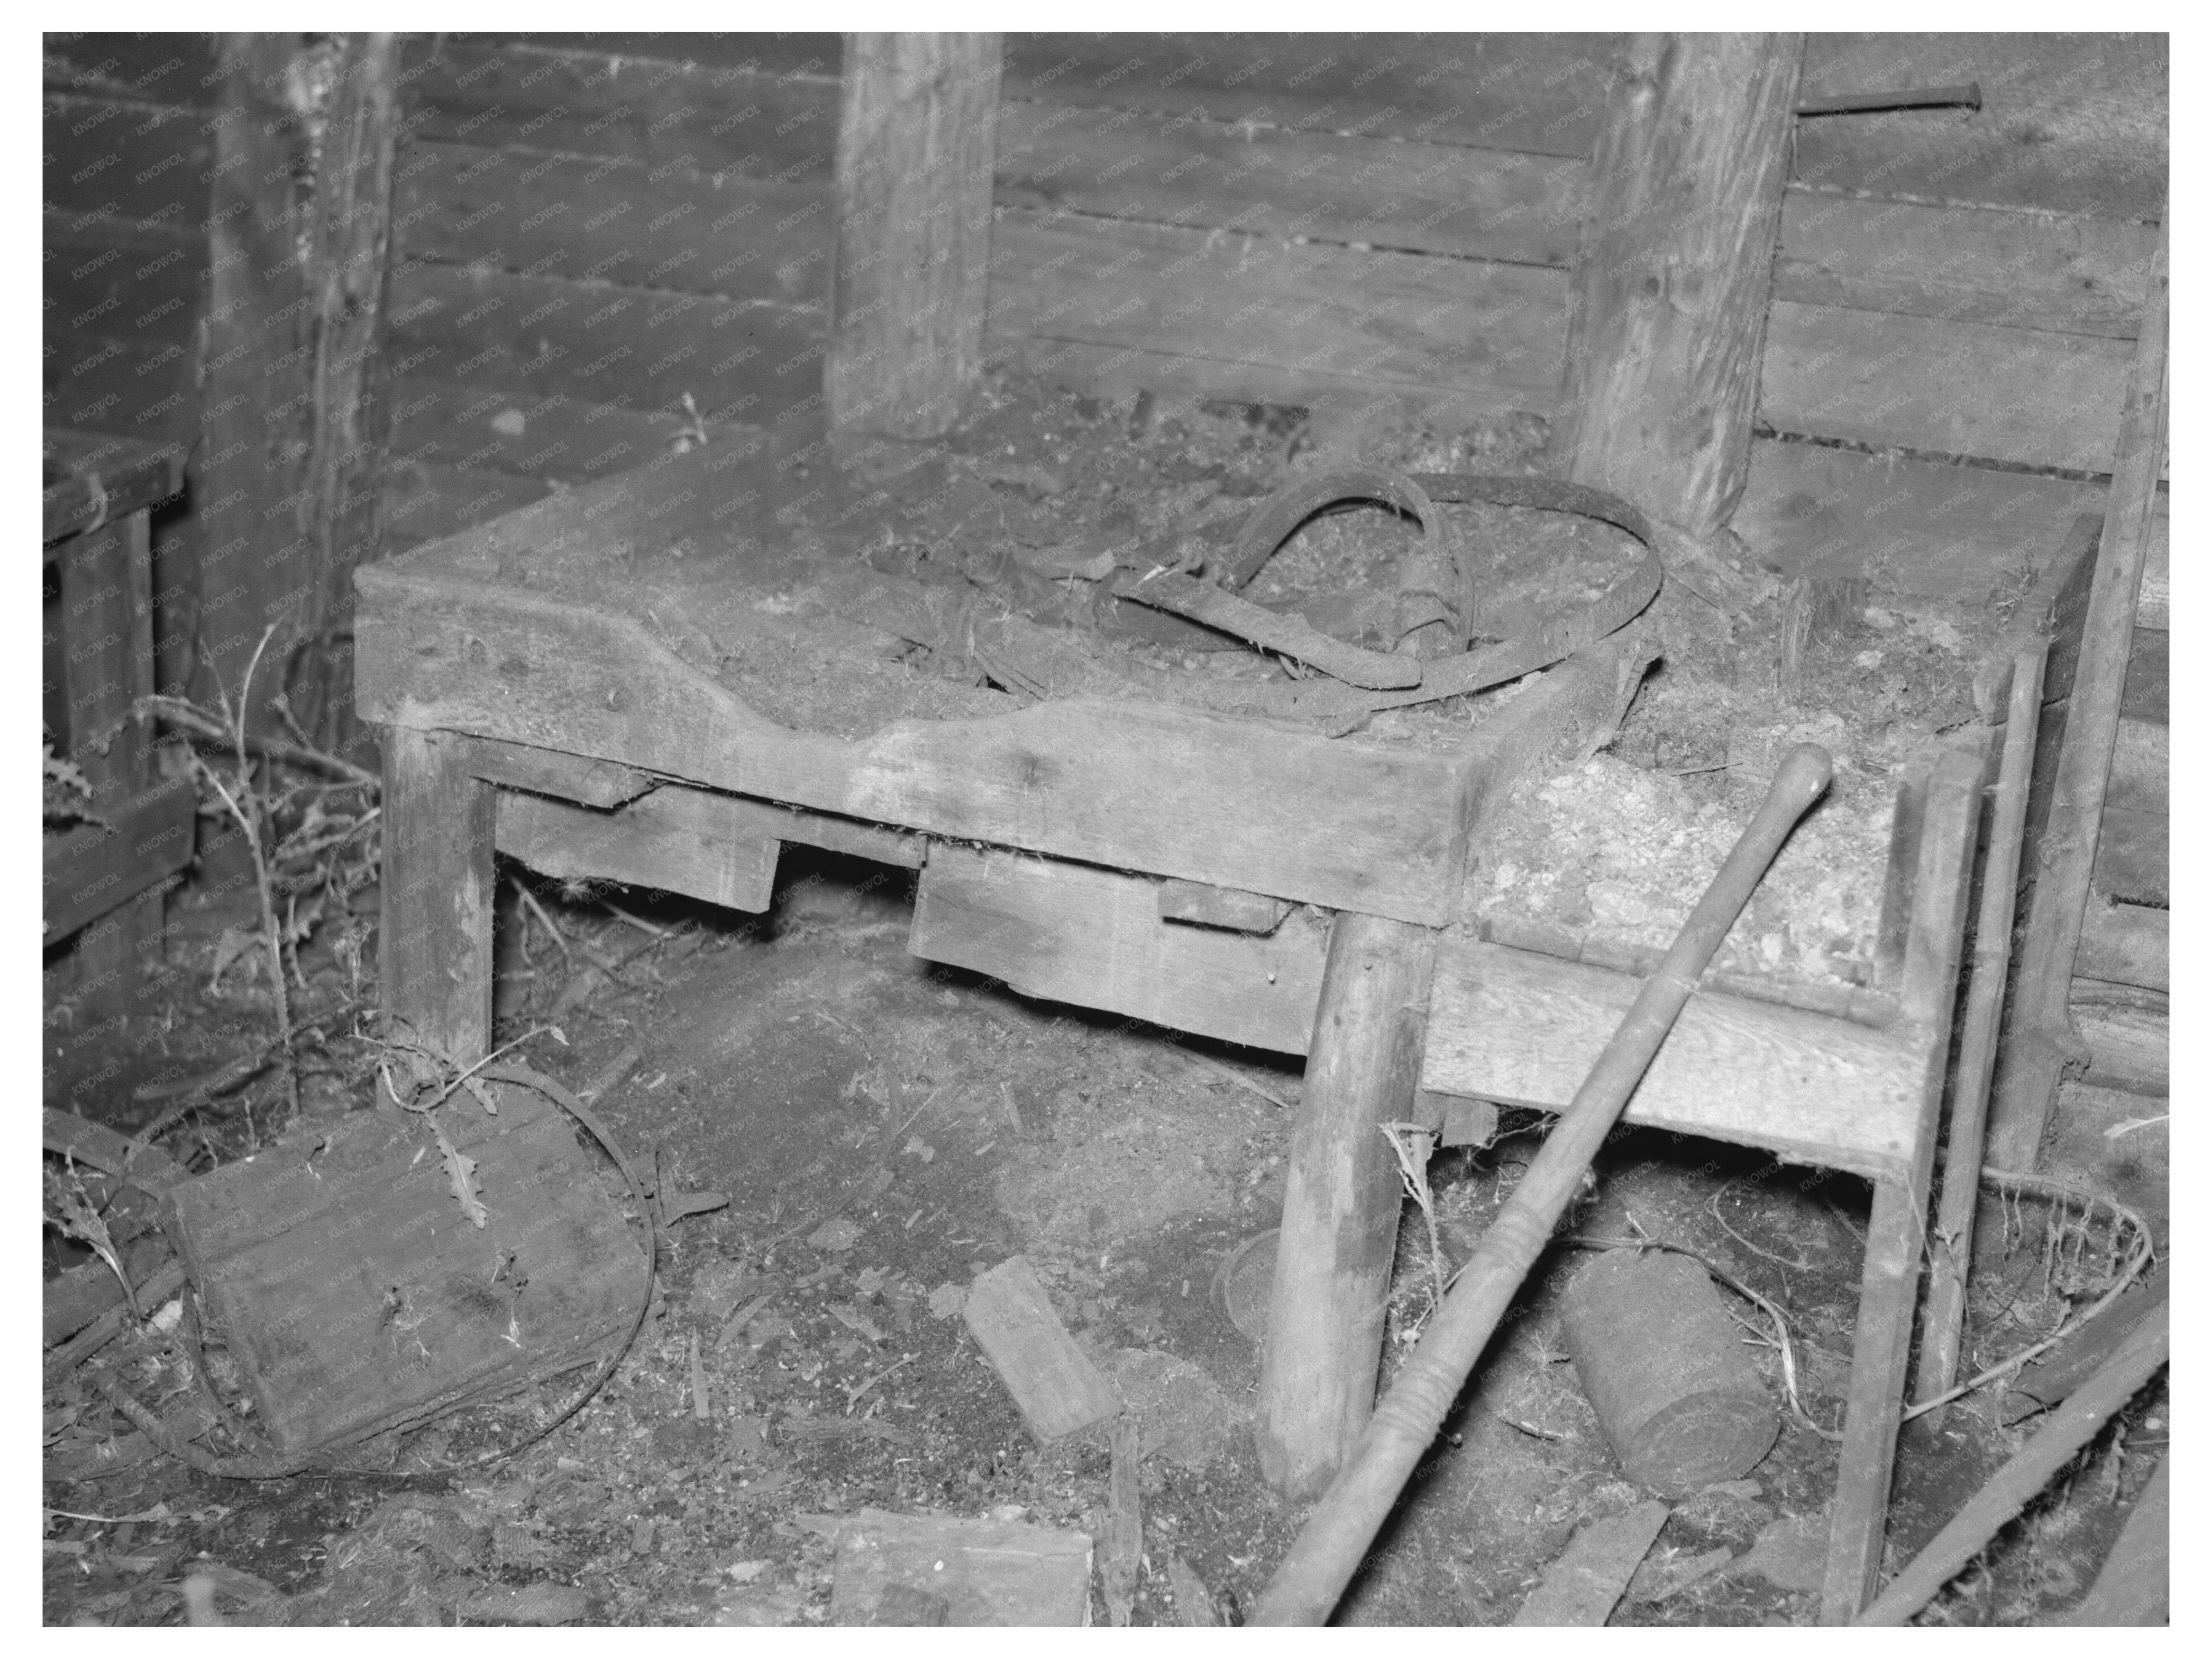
1305 1588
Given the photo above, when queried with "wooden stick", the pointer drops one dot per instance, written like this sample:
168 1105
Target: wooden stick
1306 1586
2070 1428
1953 1255
2027 1080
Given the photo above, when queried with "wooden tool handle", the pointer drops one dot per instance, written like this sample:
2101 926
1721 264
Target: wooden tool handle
1305 1588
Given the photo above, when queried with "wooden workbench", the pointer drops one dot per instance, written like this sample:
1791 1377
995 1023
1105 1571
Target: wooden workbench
663 678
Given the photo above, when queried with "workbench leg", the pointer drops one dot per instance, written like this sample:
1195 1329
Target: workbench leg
434 945
1324 1343
1943 853
1888 1288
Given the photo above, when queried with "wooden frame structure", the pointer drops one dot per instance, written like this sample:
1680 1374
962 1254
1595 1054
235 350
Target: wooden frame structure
543 698
100 879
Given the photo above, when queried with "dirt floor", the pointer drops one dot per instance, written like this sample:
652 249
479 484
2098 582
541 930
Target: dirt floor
885 1129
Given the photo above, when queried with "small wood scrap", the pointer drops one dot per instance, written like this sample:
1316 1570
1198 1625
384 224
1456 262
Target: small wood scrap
1466 1122
355 1295
1669 1573
2138 1357
1208 906
1125 1525
985 1572
2134 1585
1059 1391
1584 1585
1194 1603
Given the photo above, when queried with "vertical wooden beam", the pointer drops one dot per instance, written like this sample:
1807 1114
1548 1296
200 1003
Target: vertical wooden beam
298 235
1318 1369
255 385
349 242
1667 314
435 944
106 591
917 139
2028 1071
1889 1281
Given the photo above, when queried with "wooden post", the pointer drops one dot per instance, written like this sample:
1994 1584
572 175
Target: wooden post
2028 1071
917 139
293 416
433 945
1889 1281
350 236
1324 1343
1667 310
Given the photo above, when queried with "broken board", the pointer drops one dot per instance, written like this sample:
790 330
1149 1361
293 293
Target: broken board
338 1267
987 1572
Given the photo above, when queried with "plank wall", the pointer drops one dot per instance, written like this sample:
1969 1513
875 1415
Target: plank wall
590 227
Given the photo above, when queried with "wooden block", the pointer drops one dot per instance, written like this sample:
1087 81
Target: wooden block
1524 1030
985 1572
2127 944
1060 1392
550 772
2134 857
1468 1122
355 1296
682 841
1094 938
1581 1587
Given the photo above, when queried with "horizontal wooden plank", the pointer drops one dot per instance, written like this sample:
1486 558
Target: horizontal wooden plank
87 871
681 841
750 359
1524 1030
653 112
139 389
428 500
797 55
473 427
1179 170
2062 273
129 159
2129 1047
2134 857
2126 944
2143 768
1094 938
1490 330
1919 527
2068 123
1184 378
173 68
1127 785
1542 93
2026 396
574 216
